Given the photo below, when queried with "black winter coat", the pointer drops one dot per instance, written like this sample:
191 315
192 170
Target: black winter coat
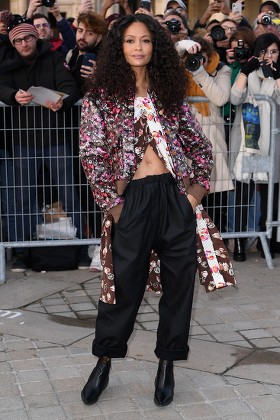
37 125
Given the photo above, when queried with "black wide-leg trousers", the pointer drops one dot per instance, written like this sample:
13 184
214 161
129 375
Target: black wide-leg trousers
154 216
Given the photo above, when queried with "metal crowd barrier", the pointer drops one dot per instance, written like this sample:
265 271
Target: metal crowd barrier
33 181
45 198
223 205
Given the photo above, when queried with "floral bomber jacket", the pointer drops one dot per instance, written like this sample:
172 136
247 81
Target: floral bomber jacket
107 152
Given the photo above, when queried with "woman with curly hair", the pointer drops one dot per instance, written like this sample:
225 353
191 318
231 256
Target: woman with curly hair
148 164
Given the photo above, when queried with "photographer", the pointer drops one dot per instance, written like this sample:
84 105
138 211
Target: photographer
42 24
176 25
209 78
259 76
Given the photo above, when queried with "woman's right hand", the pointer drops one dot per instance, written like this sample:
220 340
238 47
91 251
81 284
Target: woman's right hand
116 212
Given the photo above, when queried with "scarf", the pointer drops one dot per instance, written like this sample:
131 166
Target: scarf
194 90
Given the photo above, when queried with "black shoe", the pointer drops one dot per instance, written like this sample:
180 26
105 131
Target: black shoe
19 264
239 250
83 258
97 382
164 383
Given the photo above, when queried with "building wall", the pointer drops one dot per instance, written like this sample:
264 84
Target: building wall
196 8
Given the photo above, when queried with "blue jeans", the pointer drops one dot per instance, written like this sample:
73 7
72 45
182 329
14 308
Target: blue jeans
7 198
27 163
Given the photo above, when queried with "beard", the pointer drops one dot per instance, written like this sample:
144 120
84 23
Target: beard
85 46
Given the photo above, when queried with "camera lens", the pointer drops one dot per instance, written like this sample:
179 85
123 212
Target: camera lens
266 20
193 62
174 26
218 33
48 3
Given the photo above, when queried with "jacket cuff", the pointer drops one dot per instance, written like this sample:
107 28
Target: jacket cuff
197 191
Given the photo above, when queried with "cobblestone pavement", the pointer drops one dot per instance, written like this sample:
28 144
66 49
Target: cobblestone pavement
233 372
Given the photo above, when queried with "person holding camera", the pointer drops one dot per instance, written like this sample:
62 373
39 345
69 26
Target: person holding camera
176 25
268 19
60 44
210 79
137 140
259 75
90 30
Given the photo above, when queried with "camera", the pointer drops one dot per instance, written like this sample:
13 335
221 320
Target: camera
266 20
218 33
48 3
241 52
146 5
173 25
193 61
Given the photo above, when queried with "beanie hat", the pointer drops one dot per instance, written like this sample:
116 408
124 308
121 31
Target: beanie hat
180 3
5 16
21 26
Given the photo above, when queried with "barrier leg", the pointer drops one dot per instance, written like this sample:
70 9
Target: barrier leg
2 265
266 251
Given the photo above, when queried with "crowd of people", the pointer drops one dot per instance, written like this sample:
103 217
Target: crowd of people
227 61
168 115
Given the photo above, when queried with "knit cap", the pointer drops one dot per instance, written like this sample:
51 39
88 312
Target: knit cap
21 26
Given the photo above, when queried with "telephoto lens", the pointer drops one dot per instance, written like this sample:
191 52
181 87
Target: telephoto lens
218 33
193 61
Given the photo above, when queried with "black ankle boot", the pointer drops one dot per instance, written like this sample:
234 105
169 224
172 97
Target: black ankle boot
164 383
97 382
239 250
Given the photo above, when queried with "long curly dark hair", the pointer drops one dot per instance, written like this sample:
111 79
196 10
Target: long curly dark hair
167 76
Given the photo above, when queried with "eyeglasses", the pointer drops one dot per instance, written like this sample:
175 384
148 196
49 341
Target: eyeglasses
41 25
229 29
27 38
270 52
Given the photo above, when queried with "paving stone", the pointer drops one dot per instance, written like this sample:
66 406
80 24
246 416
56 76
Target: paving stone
36 388
57 308
231 407
64 372
250 390
79 410
257 333
14 415
47 413
264 403
82 307
200 410
41 400
27 364
265 343
225 337
10 403
32 375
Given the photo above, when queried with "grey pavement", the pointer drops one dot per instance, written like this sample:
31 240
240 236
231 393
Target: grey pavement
233 372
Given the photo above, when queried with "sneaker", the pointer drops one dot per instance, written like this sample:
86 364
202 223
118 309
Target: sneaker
18 264
95 262
84 260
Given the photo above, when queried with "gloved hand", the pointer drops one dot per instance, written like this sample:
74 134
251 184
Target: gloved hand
276 71
251 65
185 45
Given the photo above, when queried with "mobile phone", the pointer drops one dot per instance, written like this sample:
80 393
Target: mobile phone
146 4
236 8
86 57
